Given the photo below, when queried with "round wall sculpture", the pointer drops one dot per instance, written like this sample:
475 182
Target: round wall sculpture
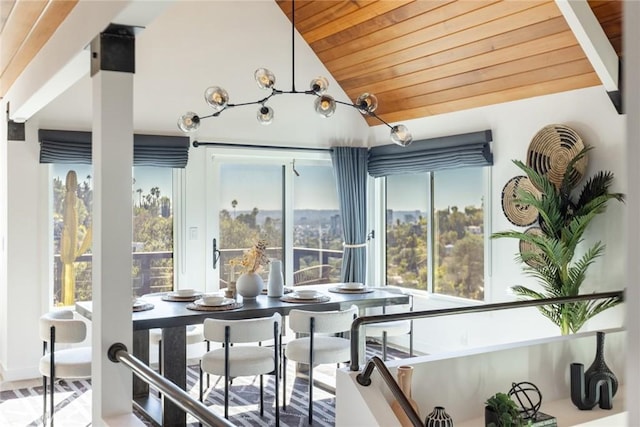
520 214
551 150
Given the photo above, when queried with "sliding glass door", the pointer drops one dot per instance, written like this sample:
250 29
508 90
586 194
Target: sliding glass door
288 200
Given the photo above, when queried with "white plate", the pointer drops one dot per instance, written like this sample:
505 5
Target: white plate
224 302
306 294
352 286
184 293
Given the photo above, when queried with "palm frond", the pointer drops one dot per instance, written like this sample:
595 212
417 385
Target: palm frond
563 222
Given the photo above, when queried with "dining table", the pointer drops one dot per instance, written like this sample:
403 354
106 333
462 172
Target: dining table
173 316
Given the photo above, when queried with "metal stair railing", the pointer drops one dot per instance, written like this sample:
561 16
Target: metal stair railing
381 318
118 353
364 378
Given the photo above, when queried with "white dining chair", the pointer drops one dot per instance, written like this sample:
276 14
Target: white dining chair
60 327
322 345
194 335
233 360
394 328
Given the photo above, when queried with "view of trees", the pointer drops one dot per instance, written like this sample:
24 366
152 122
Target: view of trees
152 238
458 251
238 231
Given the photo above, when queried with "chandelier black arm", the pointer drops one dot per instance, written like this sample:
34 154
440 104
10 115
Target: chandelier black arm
372 114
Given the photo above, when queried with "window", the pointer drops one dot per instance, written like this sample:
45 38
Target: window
152 243
435 235
293 206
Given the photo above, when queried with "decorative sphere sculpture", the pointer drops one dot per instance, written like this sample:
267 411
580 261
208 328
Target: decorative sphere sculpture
528 397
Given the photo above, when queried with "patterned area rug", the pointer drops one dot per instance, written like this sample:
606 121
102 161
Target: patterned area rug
23 407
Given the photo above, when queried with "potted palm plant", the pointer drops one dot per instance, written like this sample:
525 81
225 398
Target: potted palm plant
563 220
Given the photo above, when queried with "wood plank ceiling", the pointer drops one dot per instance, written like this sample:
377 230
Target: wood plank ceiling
420 58
423 58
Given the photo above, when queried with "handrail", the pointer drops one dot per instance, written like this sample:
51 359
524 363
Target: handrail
364 379
118 353
382 318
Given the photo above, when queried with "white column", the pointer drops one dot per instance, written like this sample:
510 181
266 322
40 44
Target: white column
631 85
112 223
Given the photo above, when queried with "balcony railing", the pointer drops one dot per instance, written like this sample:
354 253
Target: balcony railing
153 271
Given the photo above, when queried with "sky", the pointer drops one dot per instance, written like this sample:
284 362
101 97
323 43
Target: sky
260 186
145 177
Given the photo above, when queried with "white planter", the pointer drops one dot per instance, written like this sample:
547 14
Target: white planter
249 285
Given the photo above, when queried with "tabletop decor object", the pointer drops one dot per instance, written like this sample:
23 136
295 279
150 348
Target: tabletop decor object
140 305
438 418
275 284
340 290
596 385
501 411
405 376
249 284
182 296
564 216
225 307
293 298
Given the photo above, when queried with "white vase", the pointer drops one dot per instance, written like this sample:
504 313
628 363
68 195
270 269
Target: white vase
249 285
275 284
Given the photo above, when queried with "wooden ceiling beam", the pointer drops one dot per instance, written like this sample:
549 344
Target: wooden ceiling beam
593 40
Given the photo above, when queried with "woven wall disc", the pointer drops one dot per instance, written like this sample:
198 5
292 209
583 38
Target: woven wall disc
551 150
528 247
520 214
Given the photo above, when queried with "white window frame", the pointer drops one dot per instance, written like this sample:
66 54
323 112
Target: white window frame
376 271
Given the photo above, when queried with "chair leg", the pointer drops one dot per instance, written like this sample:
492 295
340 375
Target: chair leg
160 357
200 374
226 397
384 345
261 397
44 401
51 398
284 382
310 394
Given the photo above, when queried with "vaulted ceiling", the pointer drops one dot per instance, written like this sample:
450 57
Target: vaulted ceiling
420 58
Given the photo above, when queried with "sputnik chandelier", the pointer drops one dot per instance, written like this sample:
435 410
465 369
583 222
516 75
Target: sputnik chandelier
324 104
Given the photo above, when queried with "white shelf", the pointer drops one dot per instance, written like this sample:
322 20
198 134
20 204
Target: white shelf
569 416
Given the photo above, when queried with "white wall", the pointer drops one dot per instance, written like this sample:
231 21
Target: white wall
588 111
462 382
592 115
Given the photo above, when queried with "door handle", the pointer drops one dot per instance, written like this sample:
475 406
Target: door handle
216 254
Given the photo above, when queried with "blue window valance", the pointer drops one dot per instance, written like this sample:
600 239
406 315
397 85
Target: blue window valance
456 151
62 146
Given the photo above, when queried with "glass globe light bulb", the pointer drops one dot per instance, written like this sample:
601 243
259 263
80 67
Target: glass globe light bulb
189 122
319 85
367 103
265 78
325 105
265 115
217 98
400 135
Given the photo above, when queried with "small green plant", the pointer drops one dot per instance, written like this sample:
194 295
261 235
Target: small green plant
506 411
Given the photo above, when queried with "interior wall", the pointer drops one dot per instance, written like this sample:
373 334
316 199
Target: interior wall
592 115
588 111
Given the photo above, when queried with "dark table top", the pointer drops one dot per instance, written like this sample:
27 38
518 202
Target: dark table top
167 314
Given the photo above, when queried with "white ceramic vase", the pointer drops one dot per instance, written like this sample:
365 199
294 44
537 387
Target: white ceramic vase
249 285
275 285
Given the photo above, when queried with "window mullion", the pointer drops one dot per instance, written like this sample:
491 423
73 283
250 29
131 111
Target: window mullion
431 232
